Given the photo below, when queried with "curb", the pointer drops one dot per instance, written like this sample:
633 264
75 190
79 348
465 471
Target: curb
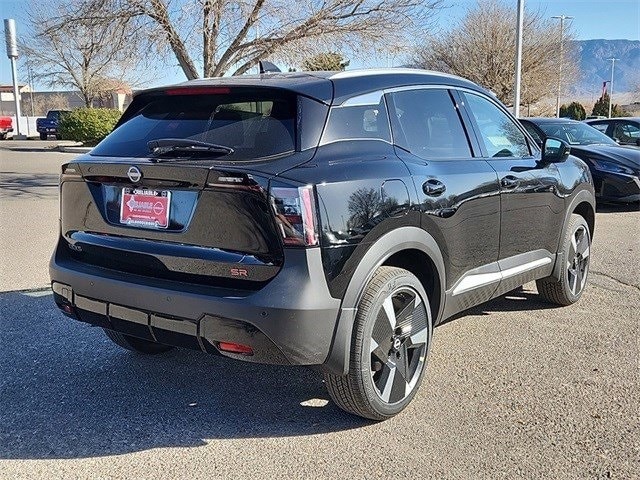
69 149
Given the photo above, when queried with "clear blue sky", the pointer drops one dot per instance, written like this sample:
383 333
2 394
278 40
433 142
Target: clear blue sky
593 19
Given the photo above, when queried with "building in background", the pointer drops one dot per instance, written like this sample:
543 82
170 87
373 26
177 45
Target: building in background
37 104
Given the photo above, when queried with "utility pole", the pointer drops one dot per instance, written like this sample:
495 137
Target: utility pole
12 53
613 64
516 100
33 112
562 19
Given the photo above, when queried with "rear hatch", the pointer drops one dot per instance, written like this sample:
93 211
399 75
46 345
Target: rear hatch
184 211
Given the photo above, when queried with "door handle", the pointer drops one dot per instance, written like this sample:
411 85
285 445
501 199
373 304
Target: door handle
433 187
509 181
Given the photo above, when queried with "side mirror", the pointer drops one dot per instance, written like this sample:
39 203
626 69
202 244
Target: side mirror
555 150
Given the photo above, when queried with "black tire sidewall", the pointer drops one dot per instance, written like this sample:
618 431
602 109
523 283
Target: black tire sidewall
366 320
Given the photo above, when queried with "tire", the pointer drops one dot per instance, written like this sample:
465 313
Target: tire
3 136
136 344
58 136
43 136
575 266
389 347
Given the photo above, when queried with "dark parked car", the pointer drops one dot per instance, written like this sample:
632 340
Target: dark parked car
615 169
321 219
49 125
625 131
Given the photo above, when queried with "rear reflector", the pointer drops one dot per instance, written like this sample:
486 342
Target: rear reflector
294 209
198 91
235 348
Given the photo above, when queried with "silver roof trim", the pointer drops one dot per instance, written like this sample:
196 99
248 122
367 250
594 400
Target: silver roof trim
365 72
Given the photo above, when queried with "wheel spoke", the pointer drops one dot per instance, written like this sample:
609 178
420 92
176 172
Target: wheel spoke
419 338
386 381
574 246
417 355
402 363
382 331
398 388
390 312
573 280
583 247
579 276
404 316
379 352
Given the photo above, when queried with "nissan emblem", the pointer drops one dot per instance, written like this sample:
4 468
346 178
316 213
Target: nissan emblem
134 174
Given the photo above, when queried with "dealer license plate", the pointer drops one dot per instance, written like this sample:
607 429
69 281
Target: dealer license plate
145 208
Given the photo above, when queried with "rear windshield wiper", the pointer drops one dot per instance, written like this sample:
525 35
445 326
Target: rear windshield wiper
168 146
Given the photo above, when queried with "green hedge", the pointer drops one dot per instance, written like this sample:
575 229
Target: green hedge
88 125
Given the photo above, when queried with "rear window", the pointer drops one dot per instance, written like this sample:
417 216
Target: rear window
255 123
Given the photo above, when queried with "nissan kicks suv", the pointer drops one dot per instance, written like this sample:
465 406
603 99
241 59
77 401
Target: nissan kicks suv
322 219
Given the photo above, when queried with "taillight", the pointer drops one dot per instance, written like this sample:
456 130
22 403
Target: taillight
295 212
235 348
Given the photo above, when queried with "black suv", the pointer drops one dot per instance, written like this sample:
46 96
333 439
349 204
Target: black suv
322 219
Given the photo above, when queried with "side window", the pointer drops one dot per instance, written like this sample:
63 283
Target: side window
426 123
600 126
500 134
629 133
358 120
533 132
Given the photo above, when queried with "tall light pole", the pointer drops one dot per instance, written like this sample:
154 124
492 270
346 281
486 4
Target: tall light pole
562 19
613 64
516 99
12 53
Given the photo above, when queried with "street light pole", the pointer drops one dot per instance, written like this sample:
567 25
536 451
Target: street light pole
613 64
12 53
516 100
562 19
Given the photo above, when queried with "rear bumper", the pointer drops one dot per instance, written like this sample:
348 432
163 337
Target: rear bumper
289 321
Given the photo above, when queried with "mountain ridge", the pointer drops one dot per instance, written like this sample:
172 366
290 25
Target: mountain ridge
595 68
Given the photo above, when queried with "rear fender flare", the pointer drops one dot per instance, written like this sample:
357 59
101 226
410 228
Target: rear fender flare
404 238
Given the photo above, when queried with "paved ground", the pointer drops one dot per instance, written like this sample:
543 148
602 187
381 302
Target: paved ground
514 389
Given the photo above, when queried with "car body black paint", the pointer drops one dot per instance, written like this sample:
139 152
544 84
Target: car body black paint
374 199
615 168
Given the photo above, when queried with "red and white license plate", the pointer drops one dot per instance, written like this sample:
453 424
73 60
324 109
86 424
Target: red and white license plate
145 208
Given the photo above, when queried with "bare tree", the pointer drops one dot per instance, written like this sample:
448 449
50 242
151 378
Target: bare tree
43 102
481 47
218 37
88 56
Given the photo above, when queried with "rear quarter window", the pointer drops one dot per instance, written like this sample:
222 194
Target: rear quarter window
357 122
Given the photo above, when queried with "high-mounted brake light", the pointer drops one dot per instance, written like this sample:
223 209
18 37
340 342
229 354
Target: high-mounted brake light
198 91
294 209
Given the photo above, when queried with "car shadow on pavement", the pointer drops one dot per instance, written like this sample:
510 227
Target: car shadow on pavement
602 207
25 186
67 392
521 299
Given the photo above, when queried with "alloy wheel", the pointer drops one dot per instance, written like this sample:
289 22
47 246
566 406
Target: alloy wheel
578 260
398 345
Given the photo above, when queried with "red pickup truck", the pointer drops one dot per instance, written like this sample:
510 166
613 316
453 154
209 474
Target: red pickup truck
6 126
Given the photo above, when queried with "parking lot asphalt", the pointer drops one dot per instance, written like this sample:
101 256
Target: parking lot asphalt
514 388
